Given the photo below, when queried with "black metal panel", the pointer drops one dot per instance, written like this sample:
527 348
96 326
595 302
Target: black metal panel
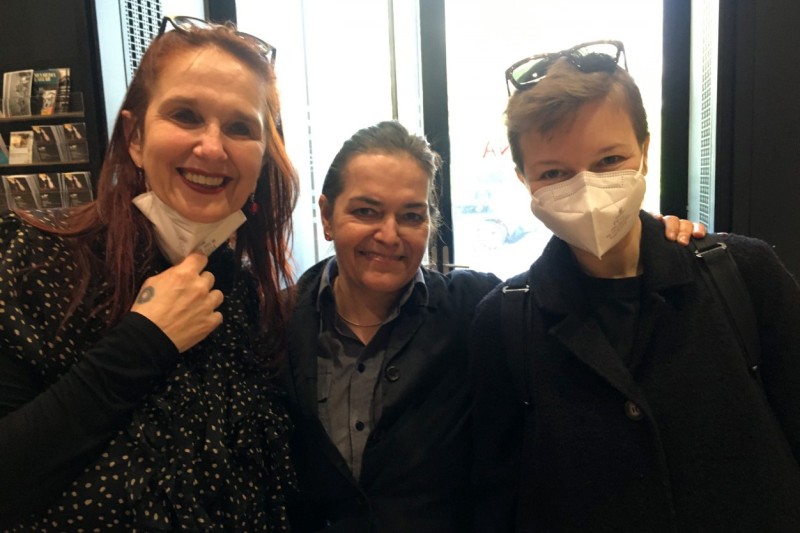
436 115
675 108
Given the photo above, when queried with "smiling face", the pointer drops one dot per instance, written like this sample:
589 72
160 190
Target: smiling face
379 223
601 138
203 140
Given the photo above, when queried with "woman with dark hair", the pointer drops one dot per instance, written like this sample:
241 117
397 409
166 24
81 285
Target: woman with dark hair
140 332
378 351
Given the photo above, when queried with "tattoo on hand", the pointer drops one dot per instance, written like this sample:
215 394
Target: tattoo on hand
145 295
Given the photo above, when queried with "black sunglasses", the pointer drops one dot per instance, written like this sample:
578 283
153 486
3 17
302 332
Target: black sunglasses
594 56
188 24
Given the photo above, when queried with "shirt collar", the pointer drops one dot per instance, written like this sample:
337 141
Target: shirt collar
331 270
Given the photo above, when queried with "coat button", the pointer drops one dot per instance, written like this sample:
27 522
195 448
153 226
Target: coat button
392 373
632 411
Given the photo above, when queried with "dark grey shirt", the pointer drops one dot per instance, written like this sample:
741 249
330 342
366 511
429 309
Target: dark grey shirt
348 371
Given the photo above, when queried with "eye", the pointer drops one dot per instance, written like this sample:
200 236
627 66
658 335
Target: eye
611 161
364 212
552 174
242 129
185 116
413 218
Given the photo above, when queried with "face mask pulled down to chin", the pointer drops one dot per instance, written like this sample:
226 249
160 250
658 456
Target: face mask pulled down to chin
177 236
591 211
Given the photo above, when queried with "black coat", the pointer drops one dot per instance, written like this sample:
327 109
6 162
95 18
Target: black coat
415 467
708 449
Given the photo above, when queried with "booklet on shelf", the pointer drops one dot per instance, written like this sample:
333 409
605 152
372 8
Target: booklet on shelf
3 152
20 148
50 191
49 143
64 90
77 188
17 92
21 191
44 91
75 138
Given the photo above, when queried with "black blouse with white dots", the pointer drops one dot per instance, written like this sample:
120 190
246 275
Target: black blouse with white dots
113 429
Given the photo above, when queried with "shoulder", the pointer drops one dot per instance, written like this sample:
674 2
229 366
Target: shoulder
757 260
461 283
22 240
749 252
490 306
307 286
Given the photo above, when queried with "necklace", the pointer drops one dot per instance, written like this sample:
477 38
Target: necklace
357 324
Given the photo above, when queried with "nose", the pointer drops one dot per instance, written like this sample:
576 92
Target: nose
387 231
211 144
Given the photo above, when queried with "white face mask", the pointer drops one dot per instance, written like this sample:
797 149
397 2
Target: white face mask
592 211
177 237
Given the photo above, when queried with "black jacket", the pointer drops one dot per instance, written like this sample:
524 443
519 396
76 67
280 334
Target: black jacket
687 441
416 463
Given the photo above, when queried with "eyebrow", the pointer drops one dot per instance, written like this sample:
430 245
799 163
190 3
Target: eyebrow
182 100
372 201
606 149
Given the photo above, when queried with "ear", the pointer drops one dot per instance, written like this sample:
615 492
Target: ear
521 178
645 147
133 136
326 213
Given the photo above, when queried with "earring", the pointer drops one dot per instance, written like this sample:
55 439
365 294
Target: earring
328 236
140 176
253 204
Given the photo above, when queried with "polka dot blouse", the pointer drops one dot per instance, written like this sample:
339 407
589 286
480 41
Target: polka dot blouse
112 429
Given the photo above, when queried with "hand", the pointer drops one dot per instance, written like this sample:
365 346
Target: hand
181 302
680 229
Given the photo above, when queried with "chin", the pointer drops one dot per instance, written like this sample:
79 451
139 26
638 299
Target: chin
387 286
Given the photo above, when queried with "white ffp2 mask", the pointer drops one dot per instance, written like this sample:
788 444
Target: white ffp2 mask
177 236
591 211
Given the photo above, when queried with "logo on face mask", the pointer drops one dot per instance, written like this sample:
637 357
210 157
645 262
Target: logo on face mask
177 236
591 211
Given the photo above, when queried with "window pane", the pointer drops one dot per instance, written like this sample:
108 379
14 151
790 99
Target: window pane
494 228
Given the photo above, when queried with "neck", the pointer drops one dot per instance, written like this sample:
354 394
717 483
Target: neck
361 310
622 261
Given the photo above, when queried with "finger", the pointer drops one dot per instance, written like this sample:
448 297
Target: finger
698 230
194 262
216 298
672 226
208 277
685 231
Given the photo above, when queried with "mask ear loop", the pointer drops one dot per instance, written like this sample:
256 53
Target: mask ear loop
641 161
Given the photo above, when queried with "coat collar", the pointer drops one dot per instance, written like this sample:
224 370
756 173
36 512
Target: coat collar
557 290
555 273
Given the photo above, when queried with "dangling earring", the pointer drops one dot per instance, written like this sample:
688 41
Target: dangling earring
140 177
253 204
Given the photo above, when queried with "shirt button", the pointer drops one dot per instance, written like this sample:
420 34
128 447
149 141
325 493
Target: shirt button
359 425
632 411
361 367
392 373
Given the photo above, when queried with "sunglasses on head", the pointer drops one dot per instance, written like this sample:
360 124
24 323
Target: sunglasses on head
593 56
188 24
